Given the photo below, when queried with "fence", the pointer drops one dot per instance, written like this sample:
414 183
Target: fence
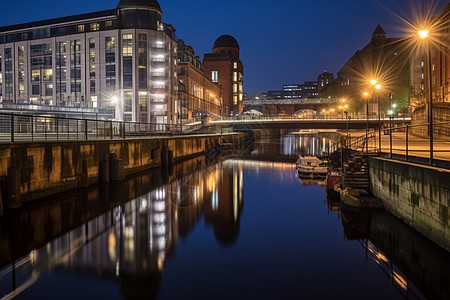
22 127
406 143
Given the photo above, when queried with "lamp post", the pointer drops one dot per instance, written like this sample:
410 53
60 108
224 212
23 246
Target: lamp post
366 95
377 86
424 34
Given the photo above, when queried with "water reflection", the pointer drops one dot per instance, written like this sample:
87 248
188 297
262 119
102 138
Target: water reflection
127 234
132 241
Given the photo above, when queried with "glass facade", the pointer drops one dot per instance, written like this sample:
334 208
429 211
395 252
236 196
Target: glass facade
127 52
110 63
61 72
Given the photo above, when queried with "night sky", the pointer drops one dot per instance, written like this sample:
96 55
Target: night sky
282 41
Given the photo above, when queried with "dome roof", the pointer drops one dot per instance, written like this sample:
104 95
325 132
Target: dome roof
226 41
139 3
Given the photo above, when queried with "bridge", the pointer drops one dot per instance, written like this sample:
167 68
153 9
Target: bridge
308 123
289 106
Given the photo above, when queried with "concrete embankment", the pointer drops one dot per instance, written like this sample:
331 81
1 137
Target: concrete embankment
29 171
417 194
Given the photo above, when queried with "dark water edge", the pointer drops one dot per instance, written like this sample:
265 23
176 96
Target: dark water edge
238 229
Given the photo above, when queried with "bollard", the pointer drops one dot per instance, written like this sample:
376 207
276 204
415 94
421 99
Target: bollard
170 157
103 172
13 199
84 177
164 157
116 168
1 204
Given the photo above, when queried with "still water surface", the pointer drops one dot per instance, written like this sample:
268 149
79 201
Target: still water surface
237 229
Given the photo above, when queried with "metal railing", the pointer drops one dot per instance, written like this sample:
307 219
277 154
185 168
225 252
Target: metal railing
410 143
26 128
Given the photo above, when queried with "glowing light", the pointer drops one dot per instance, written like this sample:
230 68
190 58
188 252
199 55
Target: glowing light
378 86
373 82
115 99
423 34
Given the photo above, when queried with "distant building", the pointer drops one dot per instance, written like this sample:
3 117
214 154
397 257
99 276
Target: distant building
307 90
197 94
323 80
123 58
382 59
224 67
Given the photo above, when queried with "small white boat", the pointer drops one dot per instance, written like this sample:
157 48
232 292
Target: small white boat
311 167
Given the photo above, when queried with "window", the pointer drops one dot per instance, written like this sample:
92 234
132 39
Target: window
35 89
108 24
235 78
80 28
142 101
235 65
215 76
95 27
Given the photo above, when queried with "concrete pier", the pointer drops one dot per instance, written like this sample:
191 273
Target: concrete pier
36 170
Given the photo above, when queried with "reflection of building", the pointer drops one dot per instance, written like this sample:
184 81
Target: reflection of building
123 58
225 67
226 204
197 94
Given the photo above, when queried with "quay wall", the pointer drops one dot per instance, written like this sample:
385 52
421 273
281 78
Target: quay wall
417 194
29 171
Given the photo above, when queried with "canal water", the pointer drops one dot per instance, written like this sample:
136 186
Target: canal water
233 229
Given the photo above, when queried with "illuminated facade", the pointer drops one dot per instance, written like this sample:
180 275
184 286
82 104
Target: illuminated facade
225 68
440 66
197 94
123 58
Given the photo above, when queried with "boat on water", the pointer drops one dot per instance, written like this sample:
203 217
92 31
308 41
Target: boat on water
333 183
359 198
311 167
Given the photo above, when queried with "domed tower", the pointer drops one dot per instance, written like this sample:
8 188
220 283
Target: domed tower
227 44
224 67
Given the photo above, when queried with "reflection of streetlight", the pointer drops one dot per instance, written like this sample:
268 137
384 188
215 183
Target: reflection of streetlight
424 34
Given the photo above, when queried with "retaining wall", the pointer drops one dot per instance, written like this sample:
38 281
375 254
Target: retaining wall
30 171
417 194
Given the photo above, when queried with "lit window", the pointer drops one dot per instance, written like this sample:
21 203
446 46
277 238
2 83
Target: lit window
95 27
235 65
80 28
235 99
108 24
235 88
215 76
235 78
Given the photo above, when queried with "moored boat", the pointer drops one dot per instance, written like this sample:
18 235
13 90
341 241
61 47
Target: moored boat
333 183
311 167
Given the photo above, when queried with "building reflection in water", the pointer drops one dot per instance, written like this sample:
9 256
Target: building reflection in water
131 242
310 143
101 234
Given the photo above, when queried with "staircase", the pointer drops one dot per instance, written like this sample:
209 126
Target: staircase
356 170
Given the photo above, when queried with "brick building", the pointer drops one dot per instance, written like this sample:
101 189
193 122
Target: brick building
224 67
197 94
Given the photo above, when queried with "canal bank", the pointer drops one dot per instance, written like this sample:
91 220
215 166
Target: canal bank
417 194
29 171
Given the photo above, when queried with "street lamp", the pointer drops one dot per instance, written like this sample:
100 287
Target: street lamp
366 96
377 86
424 35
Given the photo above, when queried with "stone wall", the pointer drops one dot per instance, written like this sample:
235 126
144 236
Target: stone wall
33 170
417 194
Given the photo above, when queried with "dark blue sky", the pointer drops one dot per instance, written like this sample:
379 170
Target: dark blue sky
282 41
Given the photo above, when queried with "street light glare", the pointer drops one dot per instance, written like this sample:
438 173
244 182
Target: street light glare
378 86
373 82
115 99
423 33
